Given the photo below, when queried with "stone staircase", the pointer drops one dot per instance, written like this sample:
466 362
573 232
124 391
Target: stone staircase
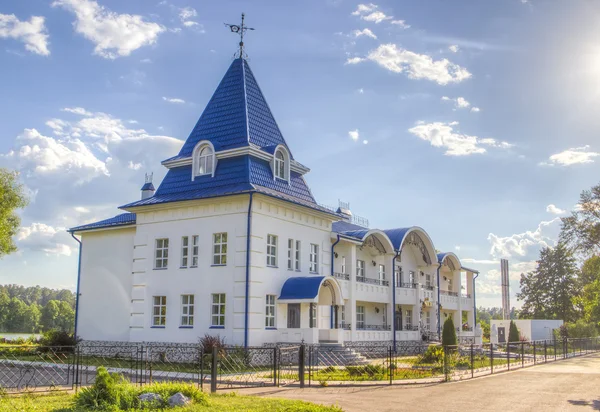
335 354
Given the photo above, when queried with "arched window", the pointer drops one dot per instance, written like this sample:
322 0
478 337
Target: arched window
205 161
280 165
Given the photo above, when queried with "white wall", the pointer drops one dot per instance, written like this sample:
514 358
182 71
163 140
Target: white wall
530 329
105 285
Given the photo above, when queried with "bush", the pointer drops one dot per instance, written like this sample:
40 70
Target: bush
579 329
329 369
369 370
55 337
449 333
433 354
208 342
513 333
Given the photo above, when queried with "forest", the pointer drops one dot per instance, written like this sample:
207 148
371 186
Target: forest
36 309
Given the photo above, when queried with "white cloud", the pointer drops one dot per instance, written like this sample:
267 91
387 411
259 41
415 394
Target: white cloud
365 142
569 157
353 134
187 13
146 61
475 109
45 238
32 33
77 110
134 166
364 32
115 35
416 66
461 103
370 12
526 244
480 261
454 48
173 100
456 144
555 210
361 91
401 23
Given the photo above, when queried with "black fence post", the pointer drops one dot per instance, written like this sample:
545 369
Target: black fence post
554 348
301 359
472 365
201 353
213 370
275 366
446 368
534 355
390 369
491 358
522 354
545 351
508 354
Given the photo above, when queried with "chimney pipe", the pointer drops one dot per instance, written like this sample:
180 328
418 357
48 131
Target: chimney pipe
148 188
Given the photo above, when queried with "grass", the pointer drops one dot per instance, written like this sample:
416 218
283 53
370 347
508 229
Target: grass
62 402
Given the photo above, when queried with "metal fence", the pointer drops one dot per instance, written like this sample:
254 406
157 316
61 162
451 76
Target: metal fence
31 368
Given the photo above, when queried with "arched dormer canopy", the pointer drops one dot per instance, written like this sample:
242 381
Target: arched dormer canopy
414 236
204 160
373 238
305 289
449 259
280 164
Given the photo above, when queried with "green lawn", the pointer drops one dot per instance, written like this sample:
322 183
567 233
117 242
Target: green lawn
61 402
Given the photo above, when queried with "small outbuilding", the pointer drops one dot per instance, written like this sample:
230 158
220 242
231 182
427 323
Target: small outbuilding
529 329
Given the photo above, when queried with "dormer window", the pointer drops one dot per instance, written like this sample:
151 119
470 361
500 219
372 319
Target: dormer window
204 162
281 164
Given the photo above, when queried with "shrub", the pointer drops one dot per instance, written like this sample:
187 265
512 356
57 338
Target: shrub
208 342
109 392
463 363
55 337
449 333
329 369
513 332
433 354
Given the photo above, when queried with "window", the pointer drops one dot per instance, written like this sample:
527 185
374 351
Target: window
220 249
313 315
187 310
427 324
343 264
161 255
381 273
218 310
271 250
205 161
280 165
360 317
297 263
293 315
270 311
428 280
290 254
360 268
159 311
195 251
184 251
449 284
408 318
411 276
398 276
343 314
314 258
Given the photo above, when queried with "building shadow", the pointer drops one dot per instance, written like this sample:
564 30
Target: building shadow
595 405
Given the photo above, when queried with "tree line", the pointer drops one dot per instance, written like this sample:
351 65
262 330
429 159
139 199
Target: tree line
36 309
566 282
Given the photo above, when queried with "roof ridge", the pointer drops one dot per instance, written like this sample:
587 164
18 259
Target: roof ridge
245 100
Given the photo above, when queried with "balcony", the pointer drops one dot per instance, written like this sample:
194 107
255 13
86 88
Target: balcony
407 285
364 279
428 287
373 327
343 276
448 293
408 328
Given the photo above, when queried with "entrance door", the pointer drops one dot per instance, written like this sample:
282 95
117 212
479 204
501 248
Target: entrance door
501 335
293 316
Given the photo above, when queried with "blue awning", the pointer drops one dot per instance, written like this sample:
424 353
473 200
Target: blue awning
301 289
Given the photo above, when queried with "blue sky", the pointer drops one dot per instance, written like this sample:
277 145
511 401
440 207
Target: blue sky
475 120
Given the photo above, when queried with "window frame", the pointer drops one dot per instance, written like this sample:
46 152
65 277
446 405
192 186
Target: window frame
195 246
343 266
272 241
203 155
279 165
220 257
381 272
290 256
314 258
221 305
298 256
360 268
360 317
164 253
185 252
162 311
398 273
408 318
270 312
185 311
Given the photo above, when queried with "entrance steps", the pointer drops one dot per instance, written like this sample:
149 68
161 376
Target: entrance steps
335 354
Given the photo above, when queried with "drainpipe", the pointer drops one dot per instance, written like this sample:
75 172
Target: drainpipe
439 314
474 303
394 298
247 303
332 246
78 281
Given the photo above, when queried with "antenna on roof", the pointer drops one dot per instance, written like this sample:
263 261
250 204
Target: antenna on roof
241 29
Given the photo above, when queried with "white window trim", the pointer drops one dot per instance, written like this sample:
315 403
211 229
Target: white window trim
290 255
360 268
287 160
381 272
298 256
196 160
156 318
220 254
185 307
272 241
360 312
195 248
314 258
270 316
164 255
185 252
219 315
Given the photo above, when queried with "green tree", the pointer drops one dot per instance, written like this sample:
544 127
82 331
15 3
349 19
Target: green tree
449 333
66 317
4 308
12 197
581 230
547 292
513 333
50 314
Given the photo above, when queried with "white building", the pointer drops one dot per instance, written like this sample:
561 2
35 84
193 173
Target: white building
529 329
232 243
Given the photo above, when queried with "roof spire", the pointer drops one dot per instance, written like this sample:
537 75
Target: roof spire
241 29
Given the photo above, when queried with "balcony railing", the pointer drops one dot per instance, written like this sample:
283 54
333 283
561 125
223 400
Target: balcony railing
344 276
467 328
428 287
466 295
448 293
346 326
364 279
373 327
410 328
407 285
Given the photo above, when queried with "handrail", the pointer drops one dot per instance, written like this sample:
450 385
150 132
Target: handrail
364 279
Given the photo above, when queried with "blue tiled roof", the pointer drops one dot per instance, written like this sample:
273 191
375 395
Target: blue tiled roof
300 288
237 115
123 219
396 236
148 186
343 226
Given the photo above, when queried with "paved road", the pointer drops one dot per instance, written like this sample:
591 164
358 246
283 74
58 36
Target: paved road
567 385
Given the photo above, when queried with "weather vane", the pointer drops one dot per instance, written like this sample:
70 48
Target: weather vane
241 29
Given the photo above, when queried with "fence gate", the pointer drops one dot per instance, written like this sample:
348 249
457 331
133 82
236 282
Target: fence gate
289 365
